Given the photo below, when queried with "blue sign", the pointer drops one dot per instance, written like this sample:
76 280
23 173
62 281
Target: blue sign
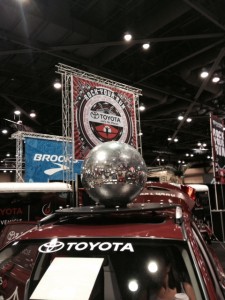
44 161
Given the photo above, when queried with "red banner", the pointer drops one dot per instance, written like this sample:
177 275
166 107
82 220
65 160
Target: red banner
102 113
218 148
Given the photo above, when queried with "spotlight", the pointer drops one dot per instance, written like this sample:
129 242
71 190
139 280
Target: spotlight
180 117
33 114
141 107
169 138
57 84
17 112
204 73
4 131
175 140
215 78
146 46
127 37
189 120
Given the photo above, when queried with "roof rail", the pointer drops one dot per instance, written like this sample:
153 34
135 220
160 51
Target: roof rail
74 212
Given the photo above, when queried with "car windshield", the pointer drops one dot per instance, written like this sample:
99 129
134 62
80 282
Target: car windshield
112 269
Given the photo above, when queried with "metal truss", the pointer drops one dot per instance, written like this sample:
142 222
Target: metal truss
62 69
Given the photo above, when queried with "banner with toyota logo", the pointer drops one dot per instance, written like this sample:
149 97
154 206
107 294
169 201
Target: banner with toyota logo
44 161
102 113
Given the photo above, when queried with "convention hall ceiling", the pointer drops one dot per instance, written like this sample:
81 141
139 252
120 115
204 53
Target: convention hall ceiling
184 35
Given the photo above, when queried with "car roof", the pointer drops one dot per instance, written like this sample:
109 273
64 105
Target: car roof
137 220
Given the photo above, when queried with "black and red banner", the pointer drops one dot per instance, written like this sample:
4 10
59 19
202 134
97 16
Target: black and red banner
218 148
102 113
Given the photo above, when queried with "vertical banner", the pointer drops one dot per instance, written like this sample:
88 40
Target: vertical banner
44 161
102 113
218 148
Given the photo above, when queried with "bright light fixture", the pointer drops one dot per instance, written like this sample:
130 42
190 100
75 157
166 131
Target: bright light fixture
215 78
204 73
180 117
127 37
189 120
57 84
33 114
17 112
142 107
175 140
4 131
146 46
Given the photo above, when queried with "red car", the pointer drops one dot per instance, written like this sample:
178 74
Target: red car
151 249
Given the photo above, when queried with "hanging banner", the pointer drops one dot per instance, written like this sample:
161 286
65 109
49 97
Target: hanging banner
102 113
218 148
44 161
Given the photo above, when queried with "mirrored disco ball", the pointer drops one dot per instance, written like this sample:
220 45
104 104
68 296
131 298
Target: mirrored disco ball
114 173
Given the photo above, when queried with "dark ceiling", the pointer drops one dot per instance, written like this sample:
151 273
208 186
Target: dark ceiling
185 35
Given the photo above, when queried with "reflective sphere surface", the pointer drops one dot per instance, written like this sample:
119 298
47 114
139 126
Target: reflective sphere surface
114 173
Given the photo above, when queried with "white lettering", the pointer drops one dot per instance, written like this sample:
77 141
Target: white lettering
51 158
92 245
105 246
127 246
70 245
117 246
81 246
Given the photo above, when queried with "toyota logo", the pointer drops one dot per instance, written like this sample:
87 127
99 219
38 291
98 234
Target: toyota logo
95 114
11 235
51 247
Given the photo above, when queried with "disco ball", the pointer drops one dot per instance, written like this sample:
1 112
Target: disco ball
113 173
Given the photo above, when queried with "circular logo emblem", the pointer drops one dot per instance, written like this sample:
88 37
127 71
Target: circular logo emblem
51 247
11 235
104 117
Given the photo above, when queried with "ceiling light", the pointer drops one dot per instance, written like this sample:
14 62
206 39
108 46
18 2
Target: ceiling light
57 84
8 154
127 37
146 46
33 114
215 78
169 138
4 131
189 120
141 107
180 117
204 73
175 140
17 112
